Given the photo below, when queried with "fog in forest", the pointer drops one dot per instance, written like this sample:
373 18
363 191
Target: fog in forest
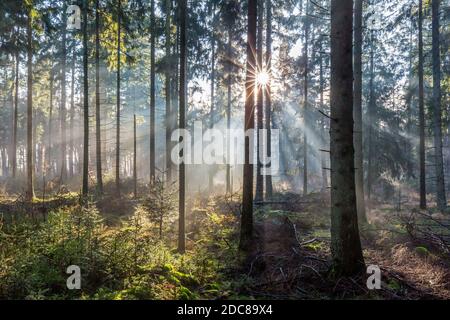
353 96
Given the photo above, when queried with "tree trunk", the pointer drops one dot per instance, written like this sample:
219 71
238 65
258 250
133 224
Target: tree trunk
63 176
228 113
85 188
246 232
16 114
324 125
259 102
437 112
152 92
134 157
168 97
118 100
345 243
370 116
30 149
305 108
423 199
213 80
98 140
268 113
72 117
182 125
357 94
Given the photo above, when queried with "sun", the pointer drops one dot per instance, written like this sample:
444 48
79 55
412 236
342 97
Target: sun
262 78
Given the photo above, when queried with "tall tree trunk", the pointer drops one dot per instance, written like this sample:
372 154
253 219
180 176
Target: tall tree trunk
30 149
324 125
98 140
423 199
213 80
118 99
357 95
305 107
228 113
168 97
259 102
246 232
63 154
72 116
345 243
437 112
49 170
152 92
15 115
134 157
370 116
268 101
182 125
85 188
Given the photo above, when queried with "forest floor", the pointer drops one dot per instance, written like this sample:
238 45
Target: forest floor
293 256
290 258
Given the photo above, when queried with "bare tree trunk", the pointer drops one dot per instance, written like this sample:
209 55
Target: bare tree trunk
182 125
98 140
63 154
30 149
345 243
228 113
168 97
72 116
118 100
437 112
85 188
246 232
213 80
259 101
268 113
134 157
357 87
370 116
152 92
423 199
15 116
305 108
324 125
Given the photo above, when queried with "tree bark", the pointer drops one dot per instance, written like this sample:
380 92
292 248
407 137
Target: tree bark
305 107
246 232
324 125
357 87
213 82
30 149
345 241
437 112
134 157
228 112
268 101
168 97
85 188
370 116
15 115
182 125
72 117
98 140
118 99
423 199
259 102
152 91
63 176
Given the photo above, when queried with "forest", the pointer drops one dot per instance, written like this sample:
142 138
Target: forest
224 150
